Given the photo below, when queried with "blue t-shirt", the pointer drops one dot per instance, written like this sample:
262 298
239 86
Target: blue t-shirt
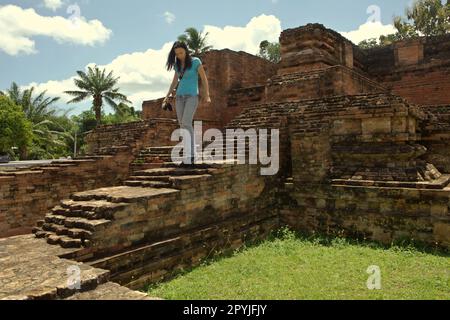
189 84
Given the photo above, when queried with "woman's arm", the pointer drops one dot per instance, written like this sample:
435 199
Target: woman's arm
205 84
174 83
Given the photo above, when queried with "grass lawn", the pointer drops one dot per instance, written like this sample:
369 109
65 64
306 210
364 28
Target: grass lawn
290 267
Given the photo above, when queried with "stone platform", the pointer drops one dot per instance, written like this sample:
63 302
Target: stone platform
33 270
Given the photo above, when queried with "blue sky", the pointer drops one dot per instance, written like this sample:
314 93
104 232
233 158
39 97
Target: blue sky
41 48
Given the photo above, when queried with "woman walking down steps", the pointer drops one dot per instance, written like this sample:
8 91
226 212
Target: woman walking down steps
187 94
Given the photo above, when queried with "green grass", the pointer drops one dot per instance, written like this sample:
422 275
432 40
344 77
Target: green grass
290 266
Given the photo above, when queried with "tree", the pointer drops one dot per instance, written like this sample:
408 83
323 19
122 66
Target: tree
123 114
40 112
270 51
36 109
195 41
15 129
423 18
97 86
84 122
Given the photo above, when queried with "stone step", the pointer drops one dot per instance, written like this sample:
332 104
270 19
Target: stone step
144 166
111 291
153 156
60 165
150 178
53 218
91 157
94 209
85 224
55 228
168 158
147 184
160 148
76 161
67 242
177 165
61 230
144 157
61 224
121 194
63 241
79 234
171 172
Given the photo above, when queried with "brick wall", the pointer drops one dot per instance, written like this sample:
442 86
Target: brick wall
381 214
329 81
368 141
435 136
357 171
27 195
313 47
418 70
135 135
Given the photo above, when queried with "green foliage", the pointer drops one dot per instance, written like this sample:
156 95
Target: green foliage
124 113
53 133
426 17
195 41
270 51
15 129
423 18
48 139
369 43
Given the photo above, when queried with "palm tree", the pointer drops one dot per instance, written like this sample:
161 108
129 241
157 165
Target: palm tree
195 41
96 85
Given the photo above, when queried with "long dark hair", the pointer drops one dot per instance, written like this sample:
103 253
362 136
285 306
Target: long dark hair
172 59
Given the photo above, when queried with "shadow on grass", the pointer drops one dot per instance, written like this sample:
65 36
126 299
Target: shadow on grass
319 239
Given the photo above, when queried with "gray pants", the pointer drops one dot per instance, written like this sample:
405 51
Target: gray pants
186 106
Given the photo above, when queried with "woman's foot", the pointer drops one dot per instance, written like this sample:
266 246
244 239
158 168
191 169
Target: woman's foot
188 165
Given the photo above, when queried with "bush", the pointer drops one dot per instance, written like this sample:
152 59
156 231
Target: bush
15 129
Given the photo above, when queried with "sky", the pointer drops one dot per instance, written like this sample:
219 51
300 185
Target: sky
44 42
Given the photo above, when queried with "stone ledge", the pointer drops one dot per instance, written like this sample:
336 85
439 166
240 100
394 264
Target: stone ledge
111 291
122 194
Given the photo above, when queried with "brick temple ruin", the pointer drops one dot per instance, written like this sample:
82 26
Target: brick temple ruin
364 152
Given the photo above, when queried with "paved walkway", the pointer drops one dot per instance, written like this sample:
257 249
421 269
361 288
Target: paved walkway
32 269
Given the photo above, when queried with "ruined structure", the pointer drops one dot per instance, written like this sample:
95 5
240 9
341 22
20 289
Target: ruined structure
364 151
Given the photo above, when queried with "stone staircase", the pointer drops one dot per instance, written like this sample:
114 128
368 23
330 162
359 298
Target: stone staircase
155 168
73 222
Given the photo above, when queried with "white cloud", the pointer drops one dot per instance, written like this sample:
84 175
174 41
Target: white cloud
19 25
53 4
143 75
369 30
248 38
169 16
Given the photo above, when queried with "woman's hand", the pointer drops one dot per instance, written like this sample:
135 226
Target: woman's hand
166 99
206 98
